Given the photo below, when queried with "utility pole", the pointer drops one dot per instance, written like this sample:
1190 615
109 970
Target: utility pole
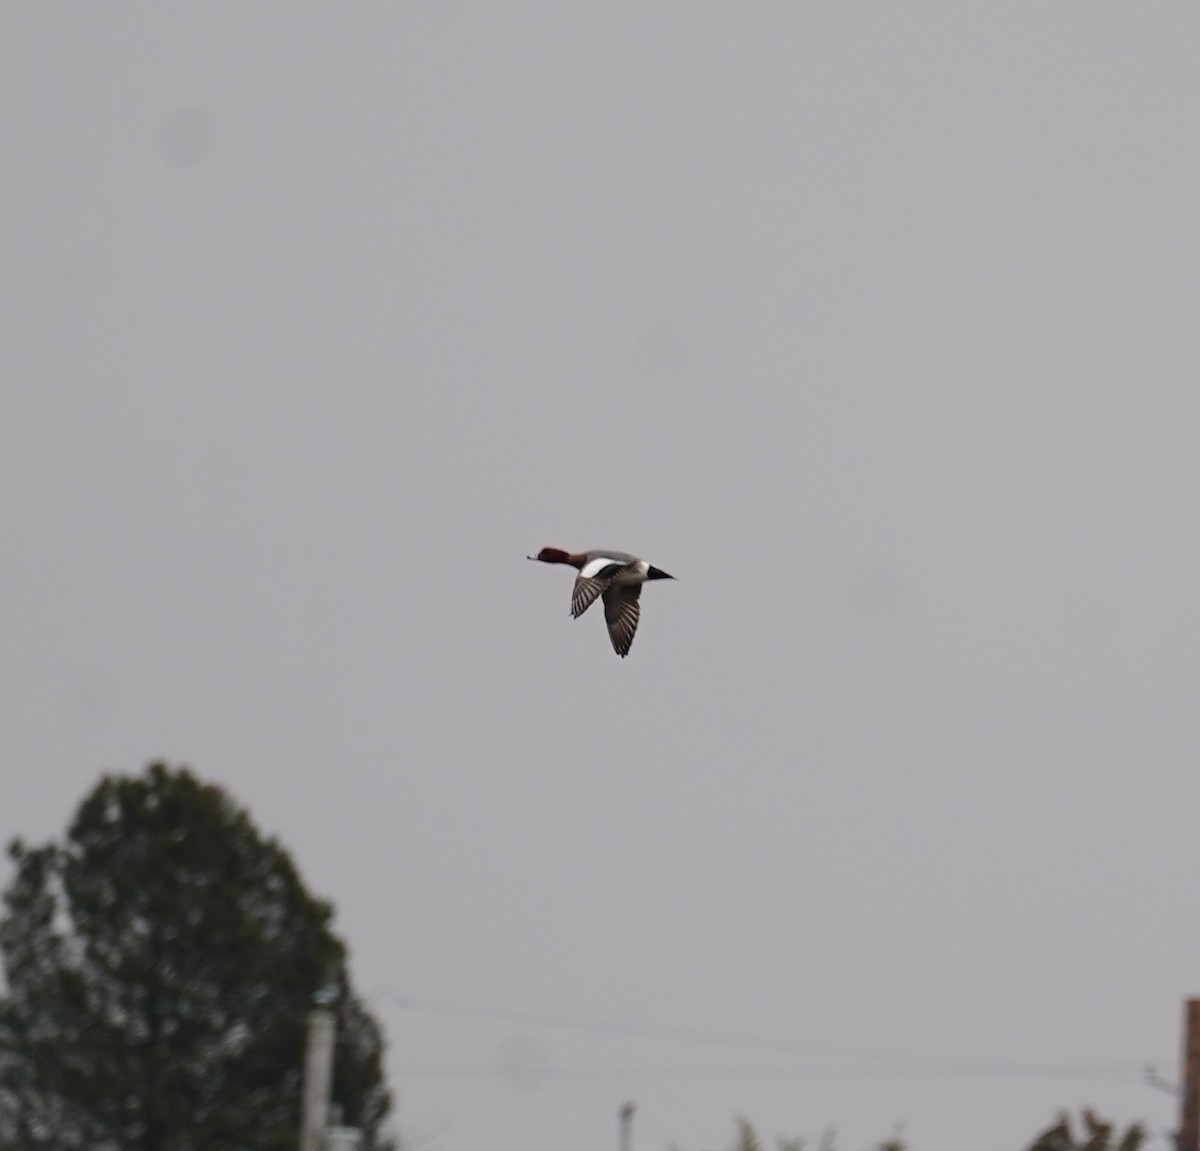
625 1137
318 1078
1189 1120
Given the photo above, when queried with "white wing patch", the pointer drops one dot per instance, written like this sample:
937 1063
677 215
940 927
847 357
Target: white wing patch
593 568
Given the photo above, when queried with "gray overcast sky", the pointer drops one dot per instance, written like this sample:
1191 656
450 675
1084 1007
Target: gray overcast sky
875 324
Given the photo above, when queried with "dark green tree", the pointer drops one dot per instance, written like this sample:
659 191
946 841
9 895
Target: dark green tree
1096 1135
159 965
747 1139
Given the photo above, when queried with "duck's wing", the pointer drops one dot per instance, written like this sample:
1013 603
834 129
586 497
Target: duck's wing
621 612
584 594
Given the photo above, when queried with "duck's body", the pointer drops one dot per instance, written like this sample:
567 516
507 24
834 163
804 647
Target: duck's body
617 578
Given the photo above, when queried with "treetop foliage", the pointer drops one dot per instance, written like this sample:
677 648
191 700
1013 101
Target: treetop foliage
1096 1135
160 965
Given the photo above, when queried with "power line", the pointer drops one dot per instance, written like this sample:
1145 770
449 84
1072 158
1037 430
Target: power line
464 1071
927 1060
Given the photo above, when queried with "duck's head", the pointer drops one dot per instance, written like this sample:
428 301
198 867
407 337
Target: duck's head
552 556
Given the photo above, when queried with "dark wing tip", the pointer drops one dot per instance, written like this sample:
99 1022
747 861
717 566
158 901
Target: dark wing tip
621 612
